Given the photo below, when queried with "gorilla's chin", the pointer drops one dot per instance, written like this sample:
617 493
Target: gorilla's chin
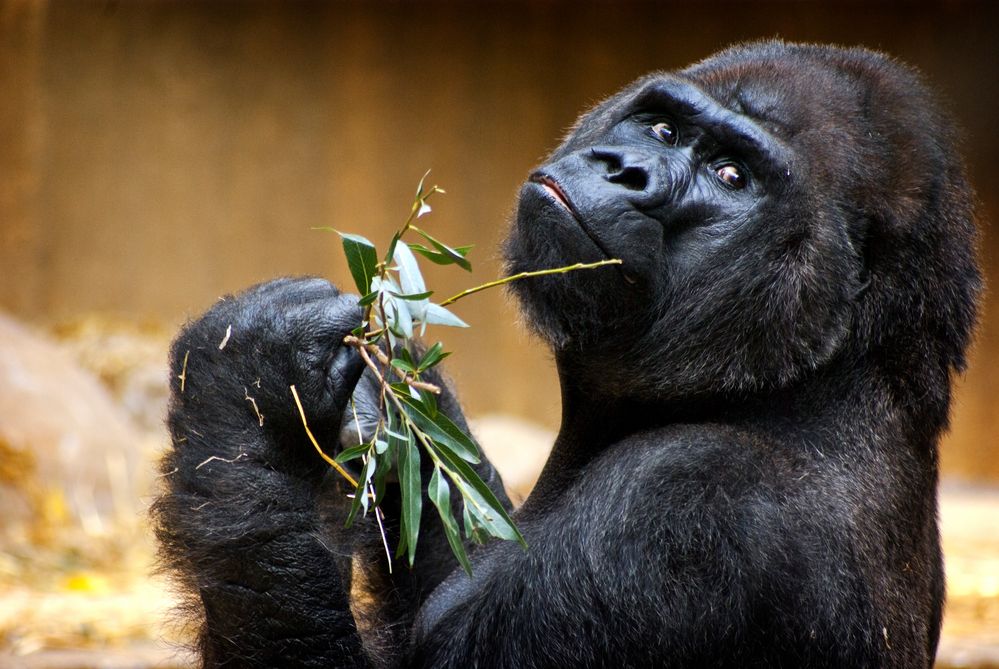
576 309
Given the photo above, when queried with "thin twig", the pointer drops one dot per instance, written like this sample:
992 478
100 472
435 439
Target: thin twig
330 461
525 275
221 459
256 409
183 371
362 346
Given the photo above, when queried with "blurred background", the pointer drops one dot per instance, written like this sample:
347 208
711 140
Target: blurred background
157 155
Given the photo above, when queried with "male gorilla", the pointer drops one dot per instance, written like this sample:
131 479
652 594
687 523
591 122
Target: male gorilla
746 470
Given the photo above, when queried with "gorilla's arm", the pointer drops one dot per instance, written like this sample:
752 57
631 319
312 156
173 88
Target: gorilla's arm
668 550
252 518
239 520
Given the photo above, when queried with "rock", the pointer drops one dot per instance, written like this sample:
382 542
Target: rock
67 452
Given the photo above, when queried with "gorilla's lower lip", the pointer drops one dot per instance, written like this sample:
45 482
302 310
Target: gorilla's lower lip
552 188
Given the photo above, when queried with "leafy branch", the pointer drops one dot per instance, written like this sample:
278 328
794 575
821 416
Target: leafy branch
396 308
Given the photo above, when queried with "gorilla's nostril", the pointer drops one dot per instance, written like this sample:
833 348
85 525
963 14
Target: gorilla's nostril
634 178
621 169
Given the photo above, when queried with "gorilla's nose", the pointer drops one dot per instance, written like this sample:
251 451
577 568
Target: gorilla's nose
640 175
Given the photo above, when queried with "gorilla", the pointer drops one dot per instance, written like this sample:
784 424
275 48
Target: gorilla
746 470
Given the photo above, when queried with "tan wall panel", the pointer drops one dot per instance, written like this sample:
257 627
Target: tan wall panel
156 156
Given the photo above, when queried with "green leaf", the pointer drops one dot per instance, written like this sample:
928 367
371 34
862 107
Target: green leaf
390 254
360 493
469 522
352 453
431 255
438 315
400 320
413 297
361 258
439 493
419 186
368 299
385 462
499 523
440 428
442 248
429 402
405 354
412 495
399 363
434 354
411 281
424 251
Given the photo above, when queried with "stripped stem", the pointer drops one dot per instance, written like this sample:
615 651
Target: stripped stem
525 275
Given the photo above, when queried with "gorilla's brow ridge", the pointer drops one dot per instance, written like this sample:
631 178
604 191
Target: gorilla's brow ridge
684 98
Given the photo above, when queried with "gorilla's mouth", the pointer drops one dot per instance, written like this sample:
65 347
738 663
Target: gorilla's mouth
555 192
552 188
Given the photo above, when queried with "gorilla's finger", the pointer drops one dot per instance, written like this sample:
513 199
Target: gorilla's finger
344 372
294 290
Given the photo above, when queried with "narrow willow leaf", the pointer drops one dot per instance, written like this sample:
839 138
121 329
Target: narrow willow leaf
431 255
499 523
413 297
429 402
412 498
399 363
404 354
400 320
368 299
439 493
484 519
423 250
438 315
352 453
442 430
365 479
360 493
442 248
385 463
411 281
361 259
434 355
419 187
390 254
467 520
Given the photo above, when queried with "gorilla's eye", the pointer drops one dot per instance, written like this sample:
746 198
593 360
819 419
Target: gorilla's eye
665 132
731 175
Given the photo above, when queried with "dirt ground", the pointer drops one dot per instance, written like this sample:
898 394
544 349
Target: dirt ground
63 614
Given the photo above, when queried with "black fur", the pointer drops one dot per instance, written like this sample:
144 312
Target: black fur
746 470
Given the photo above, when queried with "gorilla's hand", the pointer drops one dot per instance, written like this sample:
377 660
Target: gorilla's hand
235 365
239 515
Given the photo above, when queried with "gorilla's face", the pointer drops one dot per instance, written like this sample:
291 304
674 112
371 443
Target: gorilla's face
741 195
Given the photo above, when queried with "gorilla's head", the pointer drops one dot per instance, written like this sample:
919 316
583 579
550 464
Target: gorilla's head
779 208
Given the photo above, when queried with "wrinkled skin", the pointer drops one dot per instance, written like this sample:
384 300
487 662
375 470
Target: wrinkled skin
746 471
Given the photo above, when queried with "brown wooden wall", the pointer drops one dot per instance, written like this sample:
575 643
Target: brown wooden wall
156 155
